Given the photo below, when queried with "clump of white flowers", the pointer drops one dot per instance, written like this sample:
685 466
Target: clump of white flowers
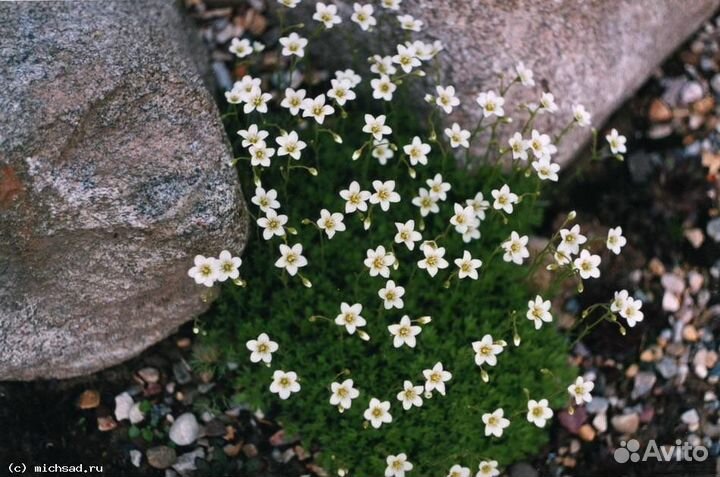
286 149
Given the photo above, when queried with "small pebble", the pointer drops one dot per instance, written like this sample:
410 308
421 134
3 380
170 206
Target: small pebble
626 423
161 457
123 403
185 430
586 433
89 399
135 457
106 423
600 422
149 375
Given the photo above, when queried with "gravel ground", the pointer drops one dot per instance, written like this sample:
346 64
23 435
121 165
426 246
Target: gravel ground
659 382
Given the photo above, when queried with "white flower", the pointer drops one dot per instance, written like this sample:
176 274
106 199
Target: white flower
561 258
316 108
205 270
539 311
426 202
272 224
458 471
326 14
410 395
436 378
290 145
486 351
260 155
397 465
426 51
341 91
383 87
504 199
581 116
330 223
247 84
293 100
580 390
406 234
446 98
547 103
363 16
261 349
348 75
619 301
392 295
479 205
293 44
384 194
378 261
463 218
438 188
240 48
234 96
378 413
417 151
291 258
616 142
515 248
587 265
408 22
539 412
540 145
258 46
546 170
615 240
631 311
491 104
488 468
433 260
376 127
519 146
289 3
571 240
343 394
350 318
404 333
265 200
407 58
256 100
382 65
382 151
472 233
391 4
467 266
495 422
355 199
228 266
525 75
458 136
284 384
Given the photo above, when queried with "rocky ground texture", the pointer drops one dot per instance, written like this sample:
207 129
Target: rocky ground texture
160 414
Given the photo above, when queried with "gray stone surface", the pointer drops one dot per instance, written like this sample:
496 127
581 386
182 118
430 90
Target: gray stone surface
594 52
112 177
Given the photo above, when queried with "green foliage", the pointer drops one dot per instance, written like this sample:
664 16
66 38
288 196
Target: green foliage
446 430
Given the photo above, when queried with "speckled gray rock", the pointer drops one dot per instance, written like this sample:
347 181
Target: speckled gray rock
112 177
594 52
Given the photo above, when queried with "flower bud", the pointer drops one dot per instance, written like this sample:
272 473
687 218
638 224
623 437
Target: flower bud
313 172
306 282
484 376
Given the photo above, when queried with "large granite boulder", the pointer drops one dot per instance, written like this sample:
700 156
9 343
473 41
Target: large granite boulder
113 175
594 52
